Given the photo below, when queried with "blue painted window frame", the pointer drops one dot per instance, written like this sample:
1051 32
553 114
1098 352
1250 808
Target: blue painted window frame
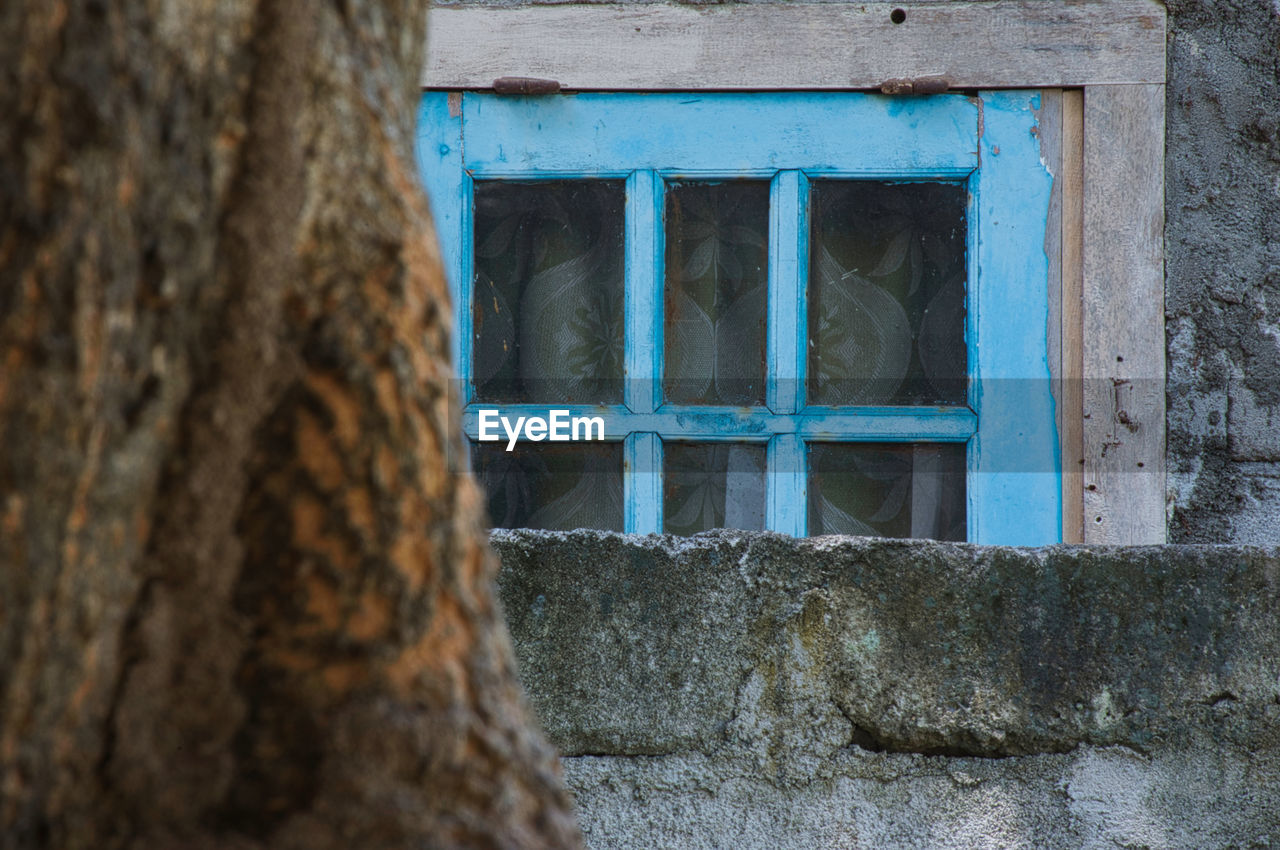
989 141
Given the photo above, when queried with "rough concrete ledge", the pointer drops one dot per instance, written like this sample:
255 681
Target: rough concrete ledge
794 649
756 691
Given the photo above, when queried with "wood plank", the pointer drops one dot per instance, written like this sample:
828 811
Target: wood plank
1049 132
1123 315
713 134
1071 399
654 47
1061 121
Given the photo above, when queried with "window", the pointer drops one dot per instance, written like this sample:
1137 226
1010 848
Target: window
1092 320
812 313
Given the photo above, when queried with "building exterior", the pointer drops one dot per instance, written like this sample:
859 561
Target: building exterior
986 697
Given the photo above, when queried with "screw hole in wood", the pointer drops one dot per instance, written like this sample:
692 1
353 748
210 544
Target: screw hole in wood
898 16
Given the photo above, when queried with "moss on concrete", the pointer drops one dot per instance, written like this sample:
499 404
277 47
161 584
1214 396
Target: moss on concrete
632 645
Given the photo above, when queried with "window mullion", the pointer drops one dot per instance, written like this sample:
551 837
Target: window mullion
642 483
643 322
786 487
788 273
785 508
642 393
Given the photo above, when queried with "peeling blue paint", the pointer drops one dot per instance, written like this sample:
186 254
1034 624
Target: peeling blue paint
1014 486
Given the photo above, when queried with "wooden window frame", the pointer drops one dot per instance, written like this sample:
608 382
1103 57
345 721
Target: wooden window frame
1101 64
986 143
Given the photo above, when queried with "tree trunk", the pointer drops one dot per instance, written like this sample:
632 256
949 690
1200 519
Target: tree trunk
243 600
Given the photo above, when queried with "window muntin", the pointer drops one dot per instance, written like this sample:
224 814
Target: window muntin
795 141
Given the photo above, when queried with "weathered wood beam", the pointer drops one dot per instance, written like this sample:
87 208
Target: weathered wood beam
998 44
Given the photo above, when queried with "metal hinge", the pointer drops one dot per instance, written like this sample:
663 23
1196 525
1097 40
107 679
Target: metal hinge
916 85
525 85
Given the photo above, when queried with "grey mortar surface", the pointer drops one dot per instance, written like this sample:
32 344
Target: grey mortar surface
1222 250
754 690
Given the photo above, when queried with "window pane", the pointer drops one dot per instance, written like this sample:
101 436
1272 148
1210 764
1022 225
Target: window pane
717 274
552 487
887 293
547 309
887 490
712 485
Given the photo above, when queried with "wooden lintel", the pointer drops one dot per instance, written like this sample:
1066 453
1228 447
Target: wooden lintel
657 47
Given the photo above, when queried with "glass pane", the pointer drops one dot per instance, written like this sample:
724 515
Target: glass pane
887 293
552 487
712 485
717 274
547 309
887 490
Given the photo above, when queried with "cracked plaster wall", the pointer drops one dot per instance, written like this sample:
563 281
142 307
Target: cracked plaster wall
757 691
1222 250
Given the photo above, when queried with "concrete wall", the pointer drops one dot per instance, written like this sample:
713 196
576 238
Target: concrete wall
1222 297
755 691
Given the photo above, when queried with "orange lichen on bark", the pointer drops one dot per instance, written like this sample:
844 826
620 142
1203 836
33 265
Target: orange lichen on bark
12 363
323 603
376 289
420 251
342 405
316 451
290 660
411 553
141 525
440 651
310 517
86 686
386 468
90 338
359 506
472 573
411 556
14 510
425 299
126 190
78 516
344 677
387 392
371 619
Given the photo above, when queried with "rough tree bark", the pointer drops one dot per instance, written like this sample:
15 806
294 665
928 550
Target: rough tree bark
242 601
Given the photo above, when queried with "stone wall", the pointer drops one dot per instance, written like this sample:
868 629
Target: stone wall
1222 244
756 691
